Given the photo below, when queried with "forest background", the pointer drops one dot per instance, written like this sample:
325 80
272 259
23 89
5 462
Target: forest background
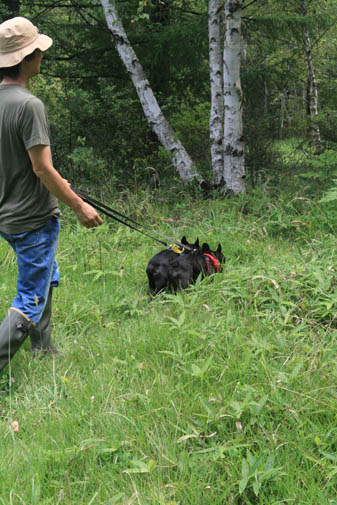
98 127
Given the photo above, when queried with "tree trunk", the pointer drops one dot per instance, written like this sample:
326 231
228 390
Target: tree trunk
215 36
284 102
234 166
180 158
312 95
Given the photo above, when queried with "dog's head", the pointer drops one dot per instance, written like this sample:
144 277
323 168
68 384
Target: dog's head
193 247
216 257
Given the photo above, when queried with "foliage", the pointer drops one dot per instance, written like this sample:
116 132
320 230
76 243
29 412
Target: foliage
274 74
88 94
190 121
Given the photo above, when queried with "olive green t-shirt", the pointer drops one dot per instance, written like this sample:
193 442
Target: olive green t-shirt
25 203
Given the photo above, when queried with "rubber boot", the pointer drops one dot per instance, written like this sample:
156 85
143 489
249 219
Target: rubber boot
40 340
13 332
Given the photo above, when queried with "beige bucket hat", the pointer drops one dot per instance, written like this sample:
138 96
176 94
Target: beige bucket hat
18 38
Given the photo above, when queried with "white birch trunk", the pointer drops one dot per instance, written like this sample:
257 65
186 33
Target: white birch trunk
215 31
180 158
234 165
266 98
284 100
312 94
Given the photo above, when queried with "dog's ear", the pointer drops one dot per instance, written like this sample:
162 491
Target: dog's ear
184 240
205 248
219 255
196 243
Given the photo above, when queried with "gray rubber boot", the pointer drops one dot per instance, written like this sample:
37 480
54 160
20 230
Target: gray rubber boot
40 340
13 332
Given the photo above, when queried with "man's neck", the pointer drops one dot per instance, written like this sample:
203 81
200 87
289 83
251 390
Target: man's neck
20 81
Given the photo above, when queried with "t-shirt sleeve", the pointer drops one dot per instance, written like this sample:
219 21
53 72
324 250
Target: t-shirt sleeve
34 124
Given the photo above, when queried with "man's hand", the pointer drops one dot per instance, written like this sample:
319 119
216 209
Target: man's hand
88 215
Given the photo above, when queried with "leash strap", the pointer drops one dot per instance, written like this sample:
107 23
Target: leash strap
108 211
110 214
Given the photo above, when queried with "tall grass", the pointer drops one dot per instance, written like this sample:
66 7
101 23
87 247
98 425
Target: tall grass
223 394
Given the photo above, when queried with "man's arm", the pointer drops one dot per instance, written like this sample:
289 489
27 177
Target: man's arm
40 157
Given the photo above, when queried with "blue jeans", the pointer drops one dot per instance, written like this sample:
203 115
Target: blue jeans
38 271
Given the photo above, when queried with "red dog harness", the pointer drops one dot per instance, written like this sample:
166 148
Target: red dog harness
211 259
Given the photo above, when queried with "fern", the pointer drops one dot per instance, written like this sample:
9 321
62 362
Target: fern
331 194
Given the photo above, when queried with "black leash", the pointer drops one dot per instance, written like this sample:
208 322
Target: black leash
121 218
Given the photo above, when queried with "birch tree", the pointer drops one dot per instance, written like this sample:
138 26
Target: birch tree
234 165
215 35
312 94
226 129
310 21
313 31
155 117
312 90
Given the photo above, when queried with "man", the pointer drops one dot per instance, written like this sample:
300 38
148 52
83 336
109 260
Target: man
29 189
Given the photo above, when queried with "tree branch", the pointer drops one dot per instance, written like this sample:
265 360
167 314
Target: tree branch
60 6
46 9
323 33
79 10
251 3
74 77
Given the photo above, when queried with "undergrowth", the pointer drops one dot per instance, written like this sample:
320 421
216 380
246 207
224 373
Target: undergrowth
222 394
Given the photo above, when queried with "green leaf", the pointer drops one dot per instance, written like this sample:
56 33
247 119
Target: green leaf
114 500
141 467
332 457
256 487
242 485
196 371
245 469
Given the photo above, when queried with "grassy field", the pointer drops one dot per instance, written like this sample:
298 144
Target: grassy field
223 394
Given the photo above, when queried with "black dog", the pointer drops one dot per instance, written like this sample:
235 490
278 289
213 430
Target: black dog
185 269
158 266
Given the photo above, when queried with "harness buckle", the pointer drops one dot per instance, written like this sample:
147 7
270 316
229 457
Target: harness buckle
177 249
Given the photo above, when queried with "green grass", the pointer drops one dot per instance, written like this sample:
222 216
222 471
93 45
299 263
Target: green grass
223 394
